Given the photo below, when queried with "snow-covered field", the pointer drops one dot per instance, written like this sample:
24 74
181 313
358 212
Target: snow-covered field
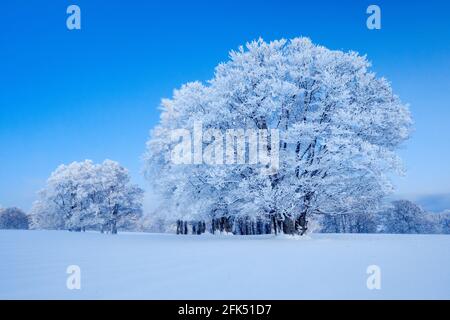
157 266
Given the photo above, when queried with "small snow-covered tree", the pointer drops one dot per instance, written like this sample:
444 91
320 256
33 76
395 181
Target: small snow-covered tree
84 195
339 126
407 217
441 221
444 222
13 218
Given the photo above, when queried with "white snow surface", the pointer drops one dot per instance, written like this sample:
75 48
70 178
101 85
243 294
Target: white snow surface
162 266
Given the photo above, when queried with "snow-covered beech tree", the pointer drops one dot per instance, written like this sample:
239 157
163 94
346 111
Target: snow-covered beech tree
84 195
338 126
13 218
407 217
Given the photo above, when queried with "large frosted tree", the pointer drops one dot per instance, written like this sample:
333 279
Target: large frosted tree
84 195
338 125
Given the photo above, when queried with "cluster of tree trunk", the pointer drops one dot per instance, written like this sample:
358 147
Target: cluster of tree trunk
109 228
106 228
192 227
246 225
222 224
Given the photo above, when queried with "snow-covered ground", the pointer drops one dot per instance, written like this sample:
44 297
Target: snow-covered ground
157 266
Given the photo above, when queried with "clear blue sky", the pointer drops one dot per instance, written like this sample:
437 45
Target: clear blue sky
93 93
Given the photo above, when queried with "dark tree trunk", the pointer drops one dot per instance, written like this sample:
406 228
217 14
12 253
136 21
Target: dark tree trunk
228 224
213 225
274 222
114 227
268 226
178 226
259 229
301 224
216 225
114 219
279 225
288 226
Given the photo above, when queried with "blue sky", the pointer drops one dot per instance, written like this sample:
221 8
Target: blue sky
94 93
